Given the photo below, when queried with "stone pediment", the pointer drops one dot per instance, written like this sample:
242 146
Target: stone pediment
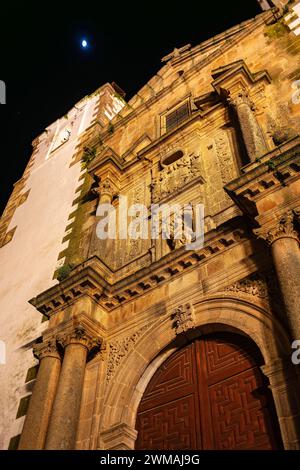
105 155
237 71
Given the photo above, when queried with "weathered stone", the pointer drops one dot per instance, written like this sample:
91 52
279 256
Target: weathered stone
41 402
126 305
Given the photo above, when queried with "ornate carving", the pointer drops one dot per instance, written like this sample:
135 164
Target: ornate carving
79 335
183 317
178 232
242 98
282 127
283 229
103 351
119 348
253 285
46 349
130 248
262 286
227 168
135 245
105 188
175 176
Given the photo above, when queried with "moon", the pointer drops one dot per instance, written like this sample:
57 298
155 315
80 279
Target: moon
84 43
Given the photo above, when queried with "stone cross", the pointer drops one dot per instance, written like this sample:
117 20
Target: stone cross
176 53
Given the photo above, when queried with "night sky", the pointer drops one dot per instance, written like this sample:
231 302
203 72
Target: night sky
46 71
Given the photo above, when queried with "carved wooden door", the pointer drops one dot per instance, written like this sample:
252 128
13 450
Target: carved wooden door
209 395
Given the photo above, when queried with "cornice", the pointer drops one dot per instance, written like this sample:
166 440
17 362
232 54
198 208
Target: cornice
228 72
274 170
81 324
95 281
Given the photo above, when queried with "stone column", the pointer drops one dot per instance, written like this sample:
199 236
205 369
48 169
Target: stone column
64 418
252 134
284 243
42 398
284 383
106 192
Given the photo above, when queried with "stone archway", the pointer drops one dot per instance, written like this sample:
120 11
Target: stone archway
209 395
216 313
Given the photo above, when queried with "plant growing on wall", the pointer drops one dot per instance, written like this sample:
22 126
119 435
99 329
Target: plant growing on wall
277 30
88 155
64 271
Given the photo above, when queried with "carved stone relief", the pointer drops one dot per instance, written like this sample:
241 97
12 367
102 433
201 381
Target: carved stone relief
131 248
119 348
183 317
225 158
174 176
262 286
253 285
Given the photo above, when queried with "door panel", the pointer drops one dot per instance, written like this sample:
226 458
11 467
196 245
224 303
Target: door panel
170 426
169 413
175 378
208 395
236 416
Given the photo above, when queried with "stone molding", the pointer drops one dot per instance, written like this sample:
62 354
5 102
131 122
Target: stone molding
279 167
118 437
279 371
93 280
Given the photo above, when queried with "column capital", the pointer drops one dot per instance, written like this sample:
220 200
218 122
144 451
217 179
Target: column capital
79 334
106 190
283 228
240 97
46 349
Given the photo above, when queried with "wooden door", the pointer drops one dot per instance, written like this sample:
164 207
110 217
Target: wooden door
209 395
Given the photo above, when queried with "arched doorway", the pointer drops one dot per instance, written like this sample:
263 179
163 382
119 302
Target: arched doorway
210 394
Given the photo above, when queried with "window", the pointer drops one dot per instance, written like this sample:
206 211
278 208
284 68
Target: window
172 158
23 406
32 373
176 117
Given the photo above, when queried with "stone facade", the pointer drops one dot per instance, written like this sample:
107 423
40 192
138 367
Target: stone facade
121 307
